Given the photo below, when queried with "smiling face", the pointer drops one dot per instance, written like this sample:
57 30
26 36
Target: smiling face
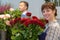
48 13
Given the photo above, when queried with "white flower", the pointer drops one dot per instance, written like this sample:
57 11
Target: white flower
7 15
2 16
11 9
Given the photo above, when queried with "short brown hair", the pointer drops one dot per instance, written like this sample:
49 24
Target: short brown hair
49 5
26 3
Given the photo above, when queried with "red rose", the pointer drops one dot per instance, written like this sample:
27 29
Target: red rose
34 17
27 22
24 19
38 21
15 21
28 14
12 22
41 23
33 21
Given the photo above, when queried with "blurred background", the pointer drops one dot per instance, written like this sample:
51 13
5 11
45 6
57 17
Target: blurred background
34 5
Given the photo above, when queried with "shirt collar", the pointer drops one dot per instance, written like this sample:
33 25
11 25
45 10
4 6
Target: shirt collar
24 12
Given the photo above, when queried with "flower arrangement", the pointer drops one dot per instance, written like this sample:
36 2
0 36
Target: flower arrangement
3 16
14 13
26 28
7 13
4 8
21 28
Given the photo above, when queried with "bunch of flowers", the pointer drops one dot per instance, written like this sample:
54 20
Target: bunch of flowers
3 16
7 13
26 28
4 8
14 13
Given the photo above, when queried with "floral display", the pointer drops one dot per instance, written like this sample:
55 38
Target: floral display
26 28
4 8
20 28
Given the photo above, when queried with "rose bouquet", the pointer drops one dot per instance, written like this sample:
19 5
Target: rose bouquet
26 28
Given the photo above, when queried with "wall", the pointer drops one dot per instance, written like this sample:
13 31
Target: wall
34 5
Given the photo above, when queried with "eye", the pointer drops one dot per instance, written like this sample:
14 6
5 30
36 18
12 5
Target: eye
43 11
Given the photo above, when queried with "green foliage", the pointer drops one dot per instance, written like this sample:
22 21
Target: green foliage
21 32
2 25
14 14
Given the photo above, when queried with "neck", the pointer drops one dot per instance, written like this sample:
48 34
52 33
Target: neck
52 19
24 10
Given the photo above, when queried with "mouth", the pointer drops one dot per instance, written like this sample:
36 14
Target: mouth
46 16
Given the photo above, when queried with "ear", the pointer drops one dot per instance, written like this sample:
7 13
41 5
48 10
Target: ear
25 7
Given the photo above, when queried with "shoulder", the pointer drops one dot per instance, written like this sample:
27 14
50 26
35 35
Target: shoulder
53 25
56 25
